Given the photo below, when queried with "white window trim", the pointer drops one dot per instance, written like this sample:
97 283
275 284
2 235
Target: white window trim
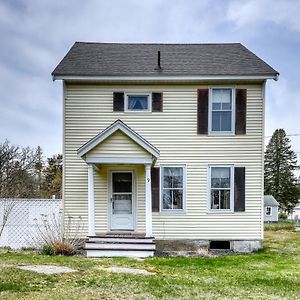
148 94
233 90
184 173
271 211
221 211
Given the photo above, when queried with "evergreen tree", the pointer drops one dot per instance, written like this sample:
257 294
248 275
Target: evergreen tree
38 168
53 177
280 164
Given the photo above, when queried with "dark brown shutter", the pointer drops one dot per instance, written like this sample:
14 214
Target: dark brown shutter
202 115
240 111
118 101
157 102
155 188
239 189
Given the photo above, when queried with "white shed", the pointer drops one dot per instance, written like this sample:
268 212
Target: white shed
270 209
295 215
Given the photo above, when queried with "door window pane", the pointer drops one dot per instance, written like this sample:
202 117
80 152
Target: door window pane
122 182
122 204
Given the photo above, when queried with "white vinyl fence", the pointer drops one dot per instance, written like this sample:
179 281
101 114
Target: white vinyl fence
26 216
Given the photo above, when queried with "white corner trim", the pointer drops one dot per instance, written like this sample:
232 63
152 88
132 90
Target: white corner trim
118 125
163 78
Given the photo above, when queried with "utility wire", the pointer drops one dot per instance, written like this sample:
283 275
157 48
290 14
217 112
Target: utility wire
294 134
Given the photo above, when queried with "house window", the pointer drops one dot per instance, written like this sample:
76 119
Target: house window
138 102
221 188
221 110
172 187
269 211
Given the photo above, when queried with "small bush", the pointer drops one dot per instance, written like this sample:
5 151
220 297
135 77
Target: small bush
64 248
54 237
282 216
59 248
27 249
47 250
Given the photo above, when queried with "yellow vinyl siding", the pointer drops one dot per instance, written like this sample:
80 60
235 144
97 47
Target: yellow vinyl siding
118 145
89 110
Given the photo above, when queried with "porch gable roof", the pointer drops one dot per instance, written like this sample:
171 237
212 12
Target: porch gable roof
109 131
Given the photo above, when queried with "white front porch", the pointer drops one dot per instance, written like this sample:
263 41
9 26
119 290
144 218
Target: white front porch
110 169
119 192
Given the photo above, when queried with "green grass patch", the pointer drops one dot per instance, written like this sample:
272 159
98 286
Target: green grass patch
281 225
272 273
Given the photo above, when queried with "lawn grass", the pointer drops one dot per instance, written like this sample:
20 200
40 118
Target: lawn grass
281 225
272 273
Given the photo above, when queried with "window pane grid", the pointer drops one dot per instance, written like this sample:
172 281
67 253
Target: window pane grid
172 188
220 188
221 110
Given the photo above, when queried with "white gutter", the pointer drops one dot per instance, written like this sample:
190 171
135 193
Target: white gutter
163 78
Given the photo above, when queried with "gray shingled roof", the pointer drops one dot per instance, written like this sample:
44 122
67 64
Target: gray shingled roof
269 200
112 59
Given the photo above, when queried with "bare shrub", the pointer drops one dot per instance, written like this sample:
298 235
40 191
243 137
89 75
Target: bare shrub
54 237
8 205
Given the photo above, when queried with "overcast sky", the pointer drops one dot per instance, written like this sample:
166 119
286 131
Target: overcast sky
35 35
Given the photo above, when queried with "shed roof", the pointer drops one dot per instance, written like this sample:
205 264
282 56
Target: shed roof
121 59
269 200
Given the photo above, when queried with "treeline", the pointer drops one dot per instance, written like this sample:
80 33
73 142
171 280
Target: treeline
25 173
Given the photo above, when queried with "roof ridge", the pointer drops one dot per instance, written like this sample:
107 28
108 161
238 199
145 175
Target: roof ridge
151 43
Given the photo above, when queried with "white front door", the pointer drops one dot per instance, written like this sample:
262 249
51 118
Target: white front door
121 201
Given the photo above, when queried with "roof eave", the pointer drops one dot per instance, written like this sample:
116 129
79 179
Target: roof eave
274 76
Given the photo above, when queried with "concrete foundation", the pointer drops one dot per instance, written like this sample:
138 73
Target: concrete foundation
192 247
246 246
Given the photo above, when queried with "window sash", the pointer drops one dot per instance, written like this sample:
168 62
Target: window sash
181 188
211 204
222 112
127 102
268 211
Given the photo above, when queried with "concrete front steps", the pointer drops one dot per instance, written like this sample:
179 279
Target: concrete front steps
119 245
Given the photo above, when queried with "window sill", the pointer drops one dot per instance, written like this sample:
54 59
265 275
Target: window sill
172 212
218 212
221 134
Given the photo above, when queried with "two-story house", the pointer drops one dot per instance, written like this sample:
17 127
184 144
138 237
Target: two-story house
164 142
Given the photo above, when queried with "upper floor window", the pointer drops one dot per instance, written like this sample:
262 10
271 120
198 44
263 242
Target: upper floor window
269 211
138 102
221 107
172 187
221 188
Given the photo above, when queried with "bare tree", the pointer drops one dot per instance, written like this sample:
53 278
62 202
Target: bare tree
7 208
17 167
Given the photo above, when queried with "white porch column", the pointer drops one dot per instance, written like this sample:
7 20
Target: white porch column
148 200
91 204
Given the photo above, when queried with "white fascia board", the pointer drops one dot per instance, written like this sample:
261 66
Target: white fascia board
118 160
111 130
164 78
